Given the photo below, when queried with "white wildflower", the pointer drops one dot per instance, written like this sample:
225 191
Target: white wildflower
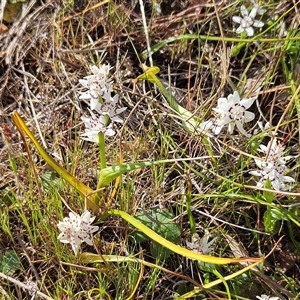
265 297
203 246
98 85
247 21
273 167
100 76
233 111
93 126
274 173
77 229
99 90
109 108
275 152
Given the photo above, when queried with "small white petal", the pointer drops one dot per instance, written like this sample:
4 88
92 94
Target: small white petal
247 102
240 29
249 116
288 179
85 96
110 132
231 127
253 12
217 129
223 104
250 31
255 173
236 19
239 125
83 82
244 11
224 120
234 98
258 23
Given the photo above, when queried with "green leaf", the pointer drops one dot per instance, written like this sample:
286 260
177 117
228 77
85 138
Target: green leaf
189 121
161 221
175 248
269 221
269 196
10 263
278 215
51 181
166 227
144 218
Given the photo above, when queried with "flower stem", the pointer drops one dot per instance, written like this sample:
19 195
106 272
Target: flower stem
102 152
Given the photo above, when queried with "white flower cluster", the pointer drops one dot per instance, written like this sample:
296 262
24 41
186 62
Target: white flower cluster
76 230
99 90
273 167
230 111
247 21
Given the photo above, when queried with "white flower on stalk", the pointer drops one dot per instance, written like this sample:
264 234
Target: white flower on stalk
95 90
233 111
247 21
203 246
274 173
109 108
94 125
77 229
273 168
275 152
97 85
265 297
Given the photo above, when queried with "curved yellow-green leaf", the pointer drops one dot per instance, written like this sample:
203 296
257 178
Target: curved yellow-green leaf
175 248
77 184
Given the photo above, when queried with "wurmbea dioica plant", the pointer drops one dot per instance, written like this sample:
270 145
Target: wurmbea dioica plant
247 20
77 229
230 111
